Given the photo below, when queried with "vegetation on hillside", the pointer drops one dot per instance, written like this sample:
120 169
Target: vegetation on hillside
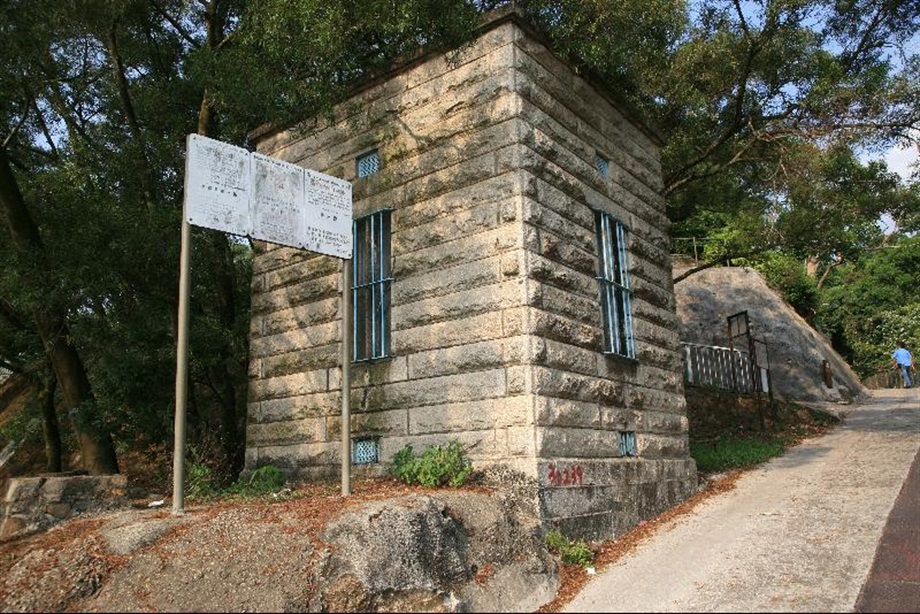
763 107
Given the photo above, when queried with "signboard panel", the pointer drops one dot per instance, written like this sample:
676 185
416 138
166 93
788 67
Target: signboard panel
327 215
230 189
277 201
217 185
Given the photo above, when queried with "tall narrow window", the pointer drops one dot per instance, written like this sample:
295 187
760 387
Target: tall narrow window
371 286
614 287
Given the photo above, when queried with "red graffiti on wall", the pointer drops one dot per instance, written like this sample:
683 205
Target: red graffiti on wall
564 476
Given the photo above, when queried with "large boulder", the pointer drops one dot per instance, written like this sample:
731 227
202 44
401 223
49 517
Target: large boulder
445 551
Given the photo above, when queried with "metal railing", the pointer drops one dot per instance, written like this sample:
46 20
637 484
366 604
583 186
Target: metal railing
887 378
719 367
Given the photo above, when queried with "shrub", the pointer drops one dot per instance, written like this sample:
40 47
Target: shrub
572 553
437 466
266 479
199 482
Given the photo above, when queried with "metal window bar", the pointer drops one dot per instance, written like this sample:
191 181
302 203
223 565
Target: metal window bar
601 164
371 286
365 451
368 164
613 280
627 443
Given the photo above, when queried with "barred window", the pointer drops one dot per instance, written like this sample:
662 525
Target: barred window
365 451
613 280
368 163
371 286
628 443
601 165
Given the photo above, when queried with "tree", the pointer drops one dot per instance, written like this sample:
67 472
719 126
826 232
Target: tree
871 304
97 98
762 106
96 445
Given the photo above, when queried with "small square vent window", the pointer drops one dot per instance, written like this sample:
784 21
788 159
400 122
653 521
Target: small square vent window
601 164
627 443
365 451
368 164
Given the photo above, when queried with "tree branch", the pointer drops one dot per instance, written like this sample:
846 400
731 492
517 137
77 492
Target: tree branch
185 34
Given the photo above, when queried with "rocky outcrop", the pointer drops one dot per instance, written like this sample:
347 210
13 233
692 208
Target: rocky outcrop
37 503
442 552
797 351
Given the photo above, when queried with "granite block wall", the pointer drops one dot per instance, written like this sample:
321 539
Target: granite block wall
488 165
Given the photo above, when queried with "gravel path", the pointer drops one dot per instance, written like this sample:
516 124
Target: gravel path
796 535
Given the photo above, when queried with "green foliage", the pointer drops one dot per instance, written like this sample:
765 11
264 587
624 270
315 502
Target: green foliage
871 351
19 426
265 480
734 449
787 275
734 453
571 552
96 142
295 54
868 306
437 466
203 484
199 481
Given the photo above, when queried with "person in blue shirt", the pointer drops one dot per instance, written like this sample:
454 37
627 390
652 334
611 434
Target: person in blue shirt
903 360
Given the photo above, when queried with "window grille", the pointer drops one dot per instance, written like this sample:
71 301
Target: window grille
628 443
365 451
371 286
601 164
368 164
614 287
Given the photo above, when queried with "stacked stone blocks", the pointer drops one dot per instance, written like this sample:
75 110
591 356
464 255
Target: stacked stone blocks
488 166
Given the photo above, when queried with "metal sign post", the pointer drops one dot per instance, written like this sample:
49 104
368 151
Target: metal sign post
178 506
346 378
227 188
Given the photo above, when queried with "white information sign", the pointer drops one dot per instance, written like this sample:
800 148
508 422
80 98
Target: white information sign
217 185
230 189
278 201
328 215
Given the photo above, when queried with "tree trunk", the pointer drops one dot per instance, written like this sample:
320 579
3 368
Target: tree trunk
96 446
50 426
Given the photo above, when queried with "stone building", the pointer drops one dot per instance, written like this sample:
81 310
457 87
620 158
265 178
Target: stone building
512 287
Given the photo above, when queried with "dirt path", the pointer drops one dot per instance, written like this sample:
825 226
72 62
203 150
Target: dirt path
797 534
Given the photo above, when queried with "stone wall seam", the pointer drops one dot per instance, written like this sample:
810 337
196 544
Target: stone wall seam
637 137
649 194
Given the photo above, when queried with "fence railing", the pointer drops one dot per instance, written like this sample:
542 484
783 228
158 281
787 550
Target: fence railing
720 367
889 378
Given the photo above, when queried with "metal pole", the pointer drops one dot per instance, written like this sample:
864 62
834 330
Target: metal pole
346 378
181 369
